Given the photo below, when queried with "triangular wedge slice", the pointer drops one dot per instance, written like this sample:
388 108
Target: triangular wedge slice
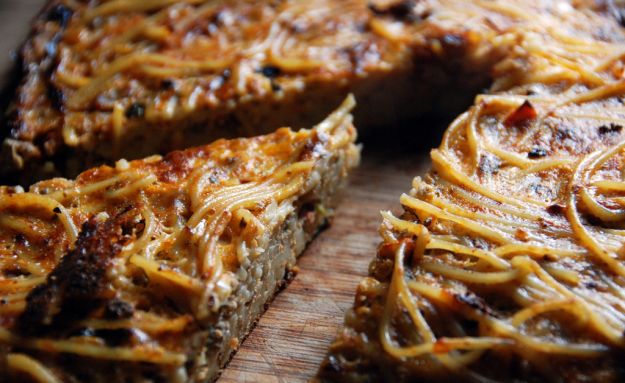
156 269
507 264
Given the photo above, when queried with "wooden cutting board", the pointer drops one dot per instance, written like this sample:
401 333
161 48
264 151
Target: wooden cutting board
292 337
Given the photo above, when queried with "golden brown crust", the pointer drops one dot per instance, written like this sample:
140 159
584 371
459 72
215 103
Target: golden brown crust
109 80
77 284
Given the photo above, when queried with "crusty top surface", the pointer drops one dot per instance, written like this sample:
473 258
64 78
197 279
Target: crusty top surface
135 263
95 72
507 264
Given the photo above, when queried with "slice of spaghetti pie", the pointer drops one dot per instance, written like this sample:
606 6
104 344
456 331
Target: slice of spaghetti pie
155 269
507 264
113 79
109 79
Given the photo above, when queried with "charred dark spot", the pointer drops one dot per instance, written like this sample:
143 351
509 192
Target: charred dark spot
521 115
136 109
549 258
140 278
20 239
594 221
61 14
308 150
118 309
114 337
474 302
167 84
306 208
39 312
270 71
75 286
555 209
56 97
57 210
400 10
409 215
15 272
591 285
609 129
275 87
537 152
471 327
133 228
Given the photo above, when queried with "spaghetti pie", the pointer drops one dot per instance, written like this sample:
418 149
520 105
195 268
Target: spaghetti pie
507 263
155 269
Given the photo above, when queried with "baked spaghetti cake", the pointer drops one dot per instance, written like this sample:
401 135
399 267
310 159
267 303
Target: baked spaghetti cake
507 263
103 80
154 270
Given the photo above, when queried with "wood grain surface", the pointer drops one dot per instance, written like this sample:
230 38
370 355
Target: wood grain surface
291 338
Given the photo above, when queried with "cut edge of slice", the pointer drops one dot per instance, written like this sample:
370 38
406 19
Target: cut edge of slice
211 315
